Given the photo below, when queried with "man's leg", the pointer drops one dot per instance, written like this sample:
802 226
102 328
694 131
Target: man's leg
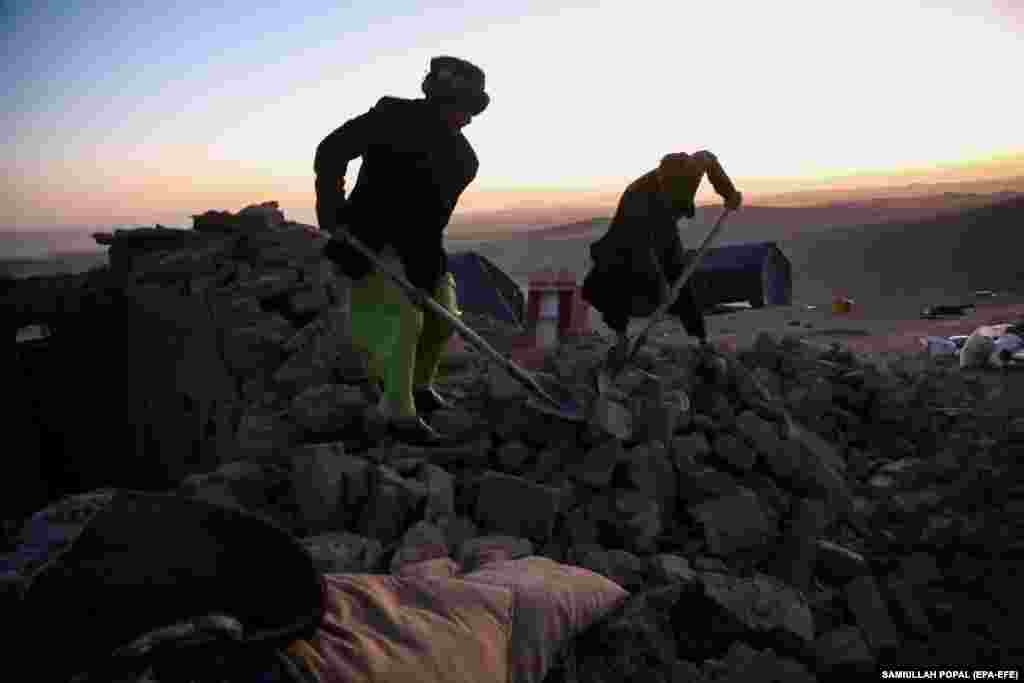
432 341
388 326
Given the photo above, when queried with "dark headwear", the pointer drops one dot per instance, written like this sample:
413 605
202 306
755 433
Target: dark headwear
455 81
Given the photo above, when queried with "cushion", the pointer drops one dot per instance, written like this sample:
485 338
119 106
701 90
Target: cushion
553 604
506 621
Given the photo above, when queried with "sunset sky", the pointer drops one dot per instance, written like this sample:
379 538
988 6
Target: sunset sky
138 112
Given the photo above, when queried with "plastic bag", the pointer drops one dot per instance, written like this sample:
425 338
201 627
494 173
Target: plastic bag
1004 348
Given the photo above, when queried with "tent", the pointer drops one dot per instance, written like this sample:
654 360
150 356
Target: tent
485 289
757 272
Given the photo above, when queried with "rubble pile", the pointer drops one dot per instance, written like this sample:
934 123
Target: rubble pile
784 513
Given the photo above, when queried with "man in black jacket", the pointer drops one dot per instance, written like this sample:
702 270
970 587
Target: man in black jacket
641 255
415 165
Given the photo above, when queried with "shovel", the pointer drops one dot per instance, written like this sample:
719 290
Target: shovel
566 408
619 358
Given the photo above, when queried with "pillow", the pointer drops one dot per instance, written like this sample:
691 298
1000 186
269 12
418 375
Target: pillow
394 629
553 604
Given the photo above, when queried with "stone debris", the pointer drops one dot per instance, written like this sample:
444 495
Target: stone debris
785 512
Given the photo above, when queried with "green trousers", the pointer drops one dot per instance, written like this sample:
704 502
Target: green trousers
404 342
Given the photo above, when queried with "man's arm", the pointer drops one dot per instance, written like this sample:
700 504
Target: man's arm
330 163
719 179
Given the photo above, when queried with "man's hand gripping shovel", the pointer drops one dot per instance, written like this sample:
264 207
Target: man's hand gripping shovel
624 351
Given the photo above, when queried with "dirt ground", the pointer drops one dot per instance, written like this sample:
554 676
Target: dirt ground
881 326
883 329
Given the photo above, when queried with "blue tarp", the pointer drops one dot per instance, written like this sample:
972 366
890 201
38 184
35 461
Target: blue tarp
485 289
757 272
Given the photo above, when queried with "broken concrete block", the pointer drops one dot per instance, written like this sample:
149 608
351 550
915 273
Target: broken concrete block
342 552
253 486
800 550
318 478
655 416
579 528
734 523
517 507
821 450
872 613
920 569
548 463
423 541
440 486
457 530
702 483
844 650
308 301
455 423
612 418
763 435
596 469
385 514
743 663
328 407
690 449
786 461
263 435
668 568
512 420
908 608
650 471
839 565
637 520
761 604
483 549
625 569
734 452
501 386
513 455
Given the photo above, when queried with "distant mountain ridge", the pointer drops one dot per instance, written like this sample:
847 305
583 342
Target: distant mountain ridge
757 223
926 253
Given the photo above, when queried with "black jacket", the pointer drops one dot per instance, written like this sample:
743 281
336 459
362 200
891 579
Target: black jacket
623 281
415 168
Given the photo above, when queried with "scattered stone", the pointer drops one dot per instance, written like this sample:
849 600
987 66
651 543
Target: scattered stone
734 452
928 451
423 541
596 469
502 386
512 505
341 552
763 435
703 483
440 486
800 549
637 520
653 415
668 568
872 614
844 651
457 530
837 564
920 569
761 604
318 477
455 423
733 523
625 569
513 455
612 417
476 551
